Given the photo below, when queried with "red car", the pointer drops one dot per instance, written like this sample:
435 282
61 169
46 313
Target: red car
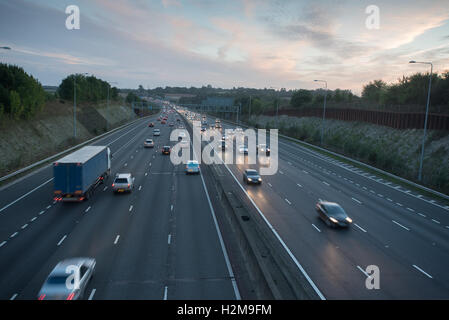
163 122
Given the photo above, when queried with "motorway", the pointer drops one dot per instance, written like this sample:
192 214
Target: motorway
161 241
402 233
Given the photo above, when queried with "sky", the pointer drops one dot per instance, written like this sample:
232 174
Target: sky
232 43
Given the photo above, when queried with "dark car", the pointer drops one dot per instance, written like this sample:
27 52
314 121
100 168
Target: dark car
166 150
251 176
151 124
263 148
333 214
223 145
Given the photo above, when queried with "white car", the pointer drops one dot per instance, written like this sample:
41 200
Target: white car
156 132
149 143
123 182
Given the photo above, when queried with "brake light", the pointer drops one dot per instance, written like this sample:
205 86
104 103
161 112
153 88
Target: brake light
41 297
129 185
113 185
70 297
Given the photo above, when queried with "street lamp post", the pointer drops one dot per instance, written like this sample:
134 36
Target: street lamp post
107 107
425 120
277 107
5 48
324 109
74 104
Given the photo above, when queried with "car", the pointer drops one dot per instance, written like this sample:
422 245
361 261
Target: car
159 119
243 149
251 176
123 182
333 214
151 124
171 124
58 285
192 166
163 122
223 145
263 148
166 150
156 132
149 143
203 129
178 119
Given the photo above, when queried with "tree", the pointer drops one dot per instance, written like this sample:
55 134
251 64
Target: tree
16 105
373 90
300 98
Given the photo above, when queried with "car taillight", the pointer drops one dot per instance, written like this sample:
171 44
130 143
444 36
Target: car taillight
113 185
41 297
70 297
129 185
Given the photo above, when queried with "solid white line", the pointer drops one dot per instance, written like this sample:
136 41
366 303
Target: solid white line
13 235
327 184
305 171
287 201
60 241
13 296
2 244
92 294
281 172
419 269
169 239
359 227
165 292
399 204
105 188
318 292
130 208
270 184
34 218
88 208
116 239
422 215
358 201
25 225
18 199
401 225
316 227
363 271
171 208
389 199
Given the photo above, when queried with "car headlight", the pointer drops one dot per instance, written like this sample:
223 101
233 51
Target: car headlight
349 220
260 179
333 220
249 179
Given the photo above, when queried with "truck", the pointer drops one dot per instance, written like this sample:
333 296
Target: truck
76 175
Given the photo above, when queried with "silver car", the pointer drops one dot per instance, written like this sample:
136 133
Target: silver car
123 182
68 280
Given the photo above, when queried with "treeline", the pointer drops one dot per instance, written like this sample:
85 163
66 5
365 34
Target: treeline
310 98
410 90
21 96
88 89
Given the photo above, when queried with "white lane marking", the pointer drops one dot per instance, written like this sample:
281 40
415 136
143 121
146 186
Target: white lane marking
389 199
48 207
169 239
358 201
130 208
150 164
401 225
34 218
380 195
126 164
410 209
14 234
421 270
305 171
42 212
270 184
171 208
165 292
92 294
26 194
60 241
146 173
88 208
281 172
299 185
316 227
105 188
436 221
363 271
140 188
359 227
286 248
447 227
286 200
399 204
422 215
116 239
13 296
2 244
327 184
289 163
24 226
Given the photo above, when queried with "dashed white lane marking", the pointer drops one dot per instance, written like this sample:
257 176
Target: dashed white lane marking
171 208
13 296
401 225
146 173
286 200
116 239
60 241
280 171
299 185
32 219
316 227
359 227
422 215
358 201
24 226
436 221
88 208
105 188
140 188
169 239
270 184
130 208
421 270
399 204
389 199
2 244
42 212
380 195
305 171
165 293
14 234
363 271
92 294
48 207
289 163
410 209
327 184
